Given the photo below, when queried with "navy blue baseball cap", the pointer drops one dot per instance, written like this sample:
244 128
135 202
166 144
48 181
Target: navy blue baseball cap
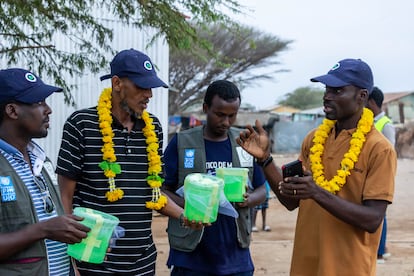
348 72
137 67
21 85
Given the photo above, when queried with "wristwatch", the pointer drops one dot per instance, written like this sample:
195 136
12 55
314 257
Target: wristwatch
182 223
265 162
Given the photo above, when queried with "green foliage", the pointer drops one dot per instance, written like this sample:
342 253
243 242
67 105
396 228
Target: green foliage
304 98
28 29
110 166
239 53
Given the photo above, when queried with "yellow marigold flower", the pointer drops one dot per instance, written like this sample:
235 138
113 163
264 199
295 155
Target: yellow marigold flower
351 155
150 205
366 128
119 193
152 127
162 201
107 139
106 132
347 163
114 195
317 174
318 166
107 147
154 183
155 159
109 156
337 180
109 173
105 116
157 205
320 179
152 140
154 169
317 148
104 124
342 173
153 147
358 135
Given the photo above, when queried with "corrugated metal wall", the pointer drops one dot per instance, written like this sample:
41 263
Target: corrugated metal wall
89 85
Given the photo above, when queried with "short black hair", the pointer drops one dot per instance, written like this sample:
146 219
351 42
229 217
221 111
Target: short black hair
377 96
225 89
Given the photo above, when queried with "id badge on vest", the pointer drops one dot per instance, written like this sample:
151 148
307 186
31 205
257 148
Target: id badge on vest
189 158
7 190
246 160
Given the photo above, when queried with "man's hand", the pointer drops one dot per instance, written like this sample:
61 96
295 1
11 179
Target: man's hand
66 228
255 142
194 224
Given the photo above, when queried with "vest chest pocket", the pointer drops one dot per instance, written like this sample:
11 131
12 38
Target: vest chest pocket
14 216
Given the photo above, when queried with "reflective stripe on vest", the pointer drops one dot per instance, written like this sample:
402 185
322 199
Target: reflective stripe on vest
379 125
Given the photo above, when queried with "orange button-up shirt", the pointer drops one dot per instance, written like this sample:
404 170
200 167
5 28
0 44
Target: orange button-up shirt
325 245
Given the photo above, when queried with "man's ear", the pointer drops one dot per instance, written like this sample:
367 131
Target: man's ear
205 108
364 96
11 110
116 83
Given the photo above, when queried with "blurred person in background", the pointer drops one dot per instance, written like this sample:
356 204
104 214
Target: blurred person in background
384 125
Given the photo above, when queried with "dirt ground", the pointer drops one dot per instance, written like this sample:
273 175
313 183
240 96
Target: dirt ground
271 251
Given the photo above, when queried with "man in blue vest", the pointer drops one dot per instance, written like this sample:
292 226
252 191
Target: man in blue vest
33 231
223 247
384 125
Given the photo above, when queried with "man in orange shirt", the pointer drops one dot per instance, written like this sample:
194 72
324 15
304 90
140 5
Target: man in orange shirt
348 183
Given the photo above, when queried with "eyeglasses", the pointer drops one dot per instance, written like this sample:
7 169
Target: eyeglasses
48 204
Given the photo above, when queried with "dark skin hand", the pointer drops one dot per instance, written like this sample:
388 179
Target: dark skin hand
254 198
66 229
246 200
180 202
257 143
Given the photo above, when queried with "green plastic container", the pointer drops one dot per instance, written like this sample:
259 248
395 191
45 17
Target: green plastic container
235 181
92 249
202 197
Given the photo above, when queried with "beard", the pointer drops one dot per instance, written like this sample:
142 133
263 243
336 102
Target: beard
127 109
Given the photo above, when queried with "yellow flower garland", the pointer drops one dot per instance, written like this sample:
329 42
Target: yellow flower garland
350 158
109 165
154 164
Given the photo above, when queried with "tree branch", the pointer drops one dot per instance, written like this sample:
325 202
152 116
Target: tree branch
17 48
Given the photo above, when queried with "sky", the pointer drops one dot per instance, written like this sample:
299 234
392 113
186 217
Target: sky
380 32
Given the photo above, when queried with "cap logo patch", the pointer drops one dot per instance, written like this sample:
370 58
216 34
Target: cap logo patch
148 65
30 77
336 66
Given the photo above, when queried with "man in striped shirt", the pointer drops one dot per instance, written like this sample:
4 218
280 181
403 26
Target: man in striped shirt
33 231
83 183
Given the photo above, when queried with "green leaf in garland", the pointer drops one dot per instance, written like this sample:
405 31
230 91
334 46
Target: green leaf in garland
115 167
104 165
155 178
